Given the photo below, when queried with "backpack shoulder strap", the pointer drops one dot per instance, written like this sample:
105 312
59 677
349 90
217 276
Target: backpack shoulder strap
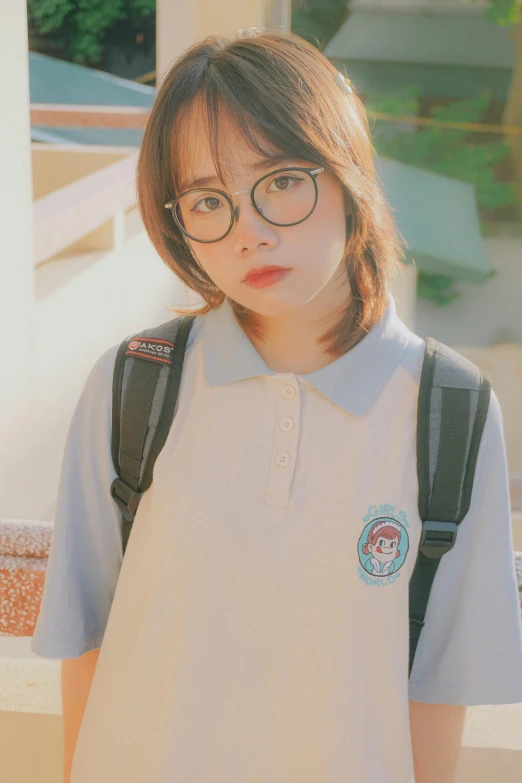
146 380
453 404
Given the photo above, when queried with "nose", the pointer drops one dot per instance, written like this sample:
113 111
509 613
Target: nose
251 230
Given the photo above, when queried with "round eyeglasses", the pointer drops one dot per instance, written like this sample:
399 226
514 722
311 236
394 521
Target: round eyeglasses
284 197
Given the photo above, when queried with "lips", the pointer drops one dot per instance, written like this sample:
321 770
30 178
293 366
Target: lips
258 272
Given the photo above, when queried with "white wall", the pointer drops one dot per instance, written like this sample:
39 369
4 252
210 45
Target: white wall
16 258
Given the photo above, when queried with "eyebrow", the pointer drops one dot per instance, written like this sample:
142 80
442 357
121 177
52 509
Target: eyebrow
259 165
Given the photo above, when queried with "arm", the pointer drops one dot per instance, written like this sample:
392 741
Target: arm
76 679
470 649
436 737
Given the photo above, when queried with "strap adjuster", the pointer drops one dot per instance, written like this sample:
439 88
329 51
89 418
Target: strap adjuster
437 538
127 499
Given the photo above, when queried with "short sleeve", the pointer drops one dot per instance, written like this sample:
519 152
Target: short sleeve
86 550
470 649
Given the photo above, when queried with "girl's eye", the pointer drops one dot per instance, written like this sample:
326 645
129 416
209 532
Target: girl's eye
381 542
283 182
393 544
207 204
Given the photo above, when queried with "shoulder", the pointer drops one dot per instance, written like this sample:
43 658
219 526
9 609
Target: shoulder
456 368
492 446
101 372
413 355
167 330
196 333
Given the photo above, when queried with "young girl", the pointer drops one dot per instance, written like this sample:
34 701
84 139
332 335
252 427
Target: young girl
384 539
240 640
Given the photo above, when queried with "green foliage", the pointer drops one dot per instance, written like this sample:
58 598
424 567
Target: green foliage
317 21
437 288
444 151
82 24
505 12
440 288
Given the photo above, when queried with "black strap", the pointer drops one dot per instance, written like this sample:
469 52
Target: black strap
453 405
171 399
145 378
135 418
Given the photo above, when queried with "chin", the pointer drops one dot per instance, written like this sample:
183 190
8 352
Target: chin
276 301
275 307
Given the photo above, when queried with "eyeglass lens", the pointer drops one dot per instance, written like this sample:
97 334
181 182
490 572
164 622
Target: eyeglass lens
283 198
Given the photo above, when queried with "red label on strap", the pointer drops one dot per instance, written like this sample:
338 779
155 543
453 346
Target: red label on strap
151 348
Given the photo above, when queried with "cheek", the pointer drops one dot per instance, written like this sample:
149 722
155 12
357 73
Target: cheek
320 237
331 207
211 260
328 229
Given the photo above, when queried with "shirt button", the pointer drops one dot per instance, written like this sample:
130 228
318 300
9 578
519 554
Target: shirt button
288 391
283 459
286 424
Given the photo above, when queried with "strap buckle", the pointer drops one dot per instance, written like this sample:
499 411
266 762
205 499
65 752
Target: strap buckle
437 538
127 499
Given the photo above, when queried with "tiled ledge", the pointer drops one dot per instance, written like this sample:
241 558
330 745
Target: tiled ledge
24 549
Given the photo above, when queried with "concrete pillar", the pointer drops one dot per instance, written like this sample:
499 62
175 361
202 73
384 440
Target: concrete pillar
278 14
17 393
180 24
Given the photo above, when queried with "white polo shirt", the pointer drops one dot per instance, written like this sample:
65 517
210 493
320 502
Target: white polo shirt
251 635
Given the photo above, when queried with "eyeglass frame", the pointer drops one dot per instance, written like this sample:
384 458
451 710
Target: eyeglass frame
234 210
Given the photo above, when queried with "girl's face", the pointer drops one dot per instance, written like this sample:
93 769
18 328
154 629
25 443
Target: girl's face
384 549
311 251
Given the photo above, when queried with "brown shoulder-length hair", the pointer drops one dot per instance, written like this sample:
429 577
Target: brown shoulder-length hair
283 96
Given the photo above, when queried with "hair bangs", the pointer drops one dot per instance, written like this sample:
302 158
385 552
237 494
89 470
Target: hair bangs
222 119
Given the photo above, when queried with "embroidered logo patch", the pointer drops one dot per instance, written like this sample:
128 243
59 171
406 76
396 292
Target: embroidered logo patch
154 349
382 548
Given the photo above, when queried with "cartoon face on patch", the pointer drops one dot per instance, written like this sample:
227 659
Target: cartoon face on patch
383 546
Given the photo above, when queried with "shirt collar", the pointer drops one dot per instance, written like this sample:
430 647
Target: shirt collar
353 381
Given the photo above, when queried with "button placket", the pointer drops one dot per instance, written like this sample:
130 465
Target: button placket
289 391
284 450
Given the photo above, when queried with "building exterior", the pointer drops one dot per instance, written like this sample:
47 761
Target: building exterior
448 49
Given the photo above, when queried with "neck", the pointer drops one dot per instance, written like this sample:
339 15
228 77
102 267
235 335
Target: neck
290 340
